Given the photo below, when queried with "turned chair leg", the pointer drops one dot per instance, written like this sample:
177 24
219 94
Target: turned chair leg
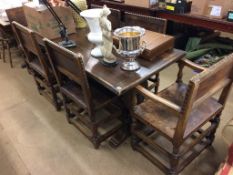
215 121
174 161
157 82
134 139
55 98
67 110
38 85
95 137
9 54
2 47
3 52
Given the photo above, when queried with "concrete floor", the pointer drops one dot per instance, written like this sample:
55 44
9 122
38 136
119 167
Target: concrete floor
37 140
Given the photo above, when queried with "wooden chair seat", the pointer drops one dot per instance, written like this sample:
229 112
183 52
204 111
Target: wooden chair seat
36 66
41 74
164 120
100 96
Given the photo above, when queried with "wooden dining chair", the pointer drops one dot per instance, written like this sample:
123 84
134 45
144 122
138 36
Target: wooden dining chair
89 106
114 17
149 23
8 39
37 63
176 125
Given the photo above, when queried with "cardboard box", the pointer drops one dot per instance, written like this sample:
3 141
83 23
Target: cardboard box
16 14
218 8
199 7
43 22
142 3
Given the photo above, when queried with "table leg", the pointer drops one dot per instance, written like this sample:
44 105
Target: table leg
120 136
128 100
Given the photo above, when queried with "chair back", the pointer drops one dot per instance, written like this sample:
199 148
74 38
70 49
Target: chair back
205 85
212 80
24 36
29 42
114 17
148 22
16 14
68 67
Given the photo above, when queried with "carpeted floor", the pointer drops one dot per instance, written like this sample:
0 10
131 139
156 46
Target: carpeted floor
37 140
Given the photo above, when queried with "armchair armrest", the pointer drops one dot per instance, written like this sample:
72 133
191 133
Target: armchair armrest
191 65
158 99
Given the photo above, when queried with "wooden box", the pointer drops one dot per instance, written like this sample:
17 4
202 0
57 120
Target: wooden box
156 44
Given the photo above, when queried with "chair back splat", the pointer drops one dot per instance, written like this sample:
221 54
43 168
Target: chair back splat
114 17
148 22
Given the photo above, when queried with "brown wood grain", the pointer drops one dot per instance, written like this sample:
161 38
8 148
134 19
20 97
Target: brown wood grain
156 44
114 78
187 18
187 115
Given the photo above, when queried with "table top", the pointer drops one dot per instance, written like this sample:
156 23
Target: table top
114 78
197 20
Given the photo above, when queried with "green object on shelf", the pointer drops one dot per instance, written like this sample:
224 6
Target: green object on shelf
197 53
206 54
215 46
192 44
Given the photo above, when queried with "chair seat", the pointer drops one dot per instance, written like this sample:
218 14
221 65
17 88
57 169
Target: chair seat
35 65
100 95
164 120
